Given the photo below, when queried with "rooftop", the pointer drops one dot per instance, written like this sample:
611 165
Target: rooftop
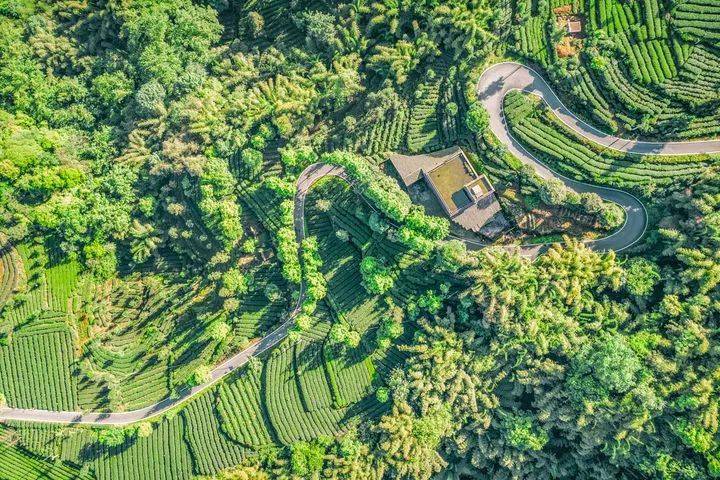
449 174
410 167
465 196
449 179
574 26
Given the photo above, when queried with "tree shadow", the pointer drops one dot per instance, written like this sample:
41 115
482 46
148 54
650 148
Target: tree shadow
492 88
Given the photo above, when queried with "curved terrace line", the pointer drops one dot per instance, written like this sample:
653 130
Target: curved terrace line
502 78
306 179
508 76
494 84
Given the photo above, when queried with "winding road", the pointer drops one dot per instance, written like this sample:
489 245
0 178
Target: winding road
494 83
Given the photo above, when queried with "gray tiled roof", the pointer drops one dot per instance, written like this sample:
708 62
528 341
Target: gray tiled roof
410 167
475 216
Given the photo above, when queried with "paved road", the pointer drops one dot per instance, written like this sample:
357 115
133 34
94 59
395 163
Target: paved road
501 78
498 80
494 83
309 176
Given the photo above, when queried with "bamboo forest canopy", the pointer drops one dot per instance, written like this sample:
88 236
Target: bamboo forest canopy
150 152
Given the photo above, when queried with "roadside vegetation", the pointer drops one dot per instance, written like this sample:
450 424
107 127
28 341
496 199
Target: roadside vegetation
538 128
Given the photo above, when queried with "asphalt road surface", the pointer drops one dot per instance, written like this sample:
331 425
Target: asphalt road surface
498 80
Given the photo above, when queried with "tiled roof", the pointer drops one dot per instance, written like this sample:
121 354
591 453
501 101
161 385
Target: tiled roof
474 217
410 167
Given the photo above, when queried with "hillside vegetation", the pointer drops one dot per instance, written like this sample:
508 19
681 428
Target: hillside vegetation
149 157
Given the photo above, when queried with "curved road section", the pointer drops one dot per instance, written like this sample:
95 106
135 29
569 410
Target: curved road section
307 178
494 84
500 79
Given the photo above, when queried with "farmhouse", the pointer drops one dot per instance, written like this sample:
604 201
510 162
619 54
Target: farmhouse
467 198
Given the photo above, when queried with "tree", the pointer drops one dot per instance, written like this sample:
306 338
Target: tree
163 38
234 283
430 301
428 226
220 210
598 63
381 103
287 252
390 329
321 31
391 16
338 333
145 429
477 118
602 369
307 458
252 25
219 331
376 276
230 305
409 444
399 60
272 292
201 375
150 99
252 160
377 223
100 260
303 322
249 246
296 159
591 202
382 395
380 189
452 256
641 276
112 436
111 89
145 243
462 27
611 216
243 472
316 287
522 434
343 81
553 191
353 339
341 334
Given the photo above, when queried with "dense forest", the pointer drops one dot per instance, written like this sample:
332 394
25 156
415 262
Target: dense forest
149 157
